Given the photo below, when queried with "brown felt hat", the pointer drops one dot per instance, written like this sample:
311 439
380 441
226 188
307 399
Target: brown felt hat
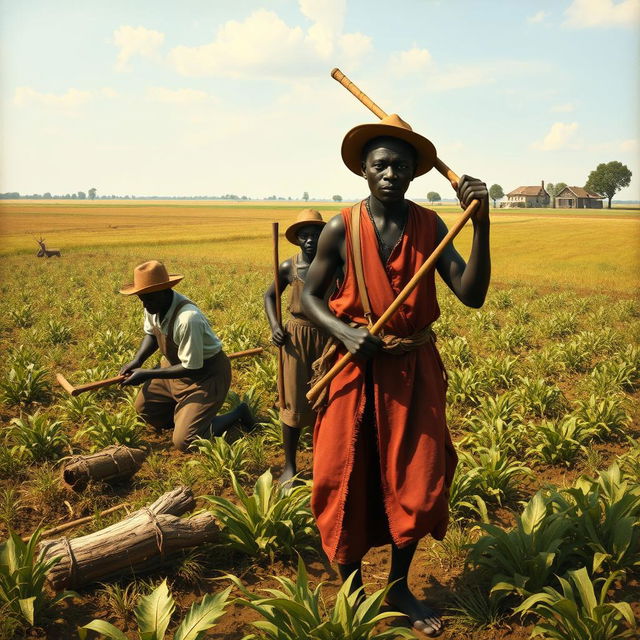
392 126
149 277
305 217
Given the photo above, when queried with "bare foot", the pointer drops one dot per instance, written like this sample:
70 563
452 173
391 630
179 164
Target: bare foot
423 618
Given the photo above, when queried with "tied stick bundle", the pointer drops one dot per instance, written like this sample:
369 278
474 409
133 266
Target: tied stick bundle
136 543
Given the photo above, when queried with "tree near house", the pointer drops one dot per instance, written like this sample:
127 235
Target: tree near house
555 189
495 193
92 193
608 178
433 196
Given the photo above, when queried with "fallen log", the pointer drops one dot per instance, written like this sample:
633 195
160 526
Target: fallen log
112 464
131 545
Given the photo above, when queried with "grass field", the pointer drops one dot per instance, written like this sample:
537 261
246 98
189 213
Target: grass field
542 400
597 251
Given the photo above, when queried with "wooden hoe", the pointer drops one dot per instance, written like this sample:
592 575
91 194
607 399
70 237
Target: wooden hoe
429 263
91 386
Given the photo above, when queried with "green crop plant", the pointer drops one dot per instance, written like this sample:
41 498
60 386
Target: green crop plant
105 428
464 496
495 474
24 385
452 549
603 417
559 325
539 398
502 299
153 615
218 458
57 332
273 521
629 462
512 339
22 578
38 437
78 409
605 513
574 355
578 613
102 372
265 374
475 609
455 352
485 320
559 441
10 506
45 490
296 610
256 452
111 345
120 600
466 386
521 314
601 341
239 336
544 363
22 316
525 558
12 460
23 355
499 372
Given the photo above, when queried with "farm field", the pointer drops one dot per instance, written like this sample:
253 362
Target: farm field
543 406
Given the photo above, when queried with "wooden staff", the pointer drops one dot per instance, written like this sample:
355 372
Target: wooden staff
276 286
424 269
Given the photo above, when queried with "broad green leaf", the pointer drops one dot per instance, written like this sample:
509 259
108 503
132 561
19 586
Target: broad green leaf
28 609
202 616
105 628
153 613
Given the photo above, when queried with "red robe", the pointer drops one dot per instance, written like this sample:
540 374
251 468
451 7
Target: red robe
383 477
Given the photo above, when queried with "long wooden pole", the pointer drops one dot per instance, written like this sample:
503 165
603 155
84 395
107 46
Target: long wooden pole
424 269
276 286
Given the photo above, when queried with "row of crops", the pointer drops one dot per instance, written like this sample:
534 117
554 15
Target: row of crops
542 404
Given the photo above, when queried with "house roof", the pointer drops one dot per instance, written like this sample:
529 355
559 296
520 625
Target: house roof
527 191
581 192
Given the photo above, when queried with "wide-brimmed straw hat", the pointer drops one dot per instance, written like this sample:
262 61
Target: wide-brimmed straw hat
305 217
392 126
149 277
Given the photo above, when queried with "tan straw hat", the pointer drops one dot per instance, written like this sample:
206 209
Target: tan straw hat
149 277
395 127
305 217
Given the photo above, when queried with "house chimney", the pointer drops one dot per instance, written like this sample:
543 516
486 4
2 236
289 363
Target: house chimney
543 184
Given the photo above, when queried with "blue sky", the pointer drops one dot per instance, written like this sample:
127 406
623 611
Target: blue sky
212 97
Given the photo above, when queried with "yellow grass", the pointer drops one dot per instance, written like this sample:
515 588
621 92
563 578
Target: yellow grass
588 250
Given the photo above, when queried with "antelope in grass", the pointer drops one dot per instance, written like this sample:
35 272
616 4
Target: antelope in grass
46 253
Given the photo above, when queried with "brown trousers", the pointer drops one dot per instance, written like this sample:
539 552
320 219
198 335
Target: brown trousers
187 406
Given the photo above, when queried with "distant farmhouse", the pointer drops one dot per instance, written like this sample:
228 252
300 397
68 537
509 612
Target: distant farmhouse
578 198
528 197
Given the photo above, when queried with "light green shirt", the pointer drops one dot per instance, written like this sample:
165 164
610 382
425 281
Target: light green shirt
191 332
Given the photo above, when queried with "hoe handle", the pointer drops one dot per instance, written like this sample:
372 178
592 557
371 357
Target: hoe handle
248 352
336 74
425 268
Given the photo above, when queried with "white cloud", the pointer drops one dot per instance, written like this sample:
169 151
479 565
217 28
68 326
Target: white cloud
69 100
602 13
410 61
629 145
263 44
178 96
538 17
109 92
134 41
567 107
560 136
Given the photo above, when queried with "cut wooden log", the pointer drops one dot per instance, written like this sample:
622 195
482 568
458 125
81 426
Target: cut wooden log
115 463
131 545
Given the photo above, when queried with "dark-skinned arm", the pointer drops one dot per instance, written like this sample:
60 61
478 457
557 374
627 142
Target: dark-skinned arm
278 334
329 259
469 280
148 346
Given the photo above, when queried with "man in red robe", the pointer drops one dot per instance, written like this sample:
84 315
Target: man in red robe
383 456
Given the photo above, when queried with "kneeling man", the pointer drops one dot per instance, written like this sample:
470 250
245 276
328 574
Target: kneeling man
187 391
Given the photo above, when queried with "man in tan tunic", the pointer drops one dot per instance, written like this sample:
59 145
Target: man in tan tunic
301 340
186 392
